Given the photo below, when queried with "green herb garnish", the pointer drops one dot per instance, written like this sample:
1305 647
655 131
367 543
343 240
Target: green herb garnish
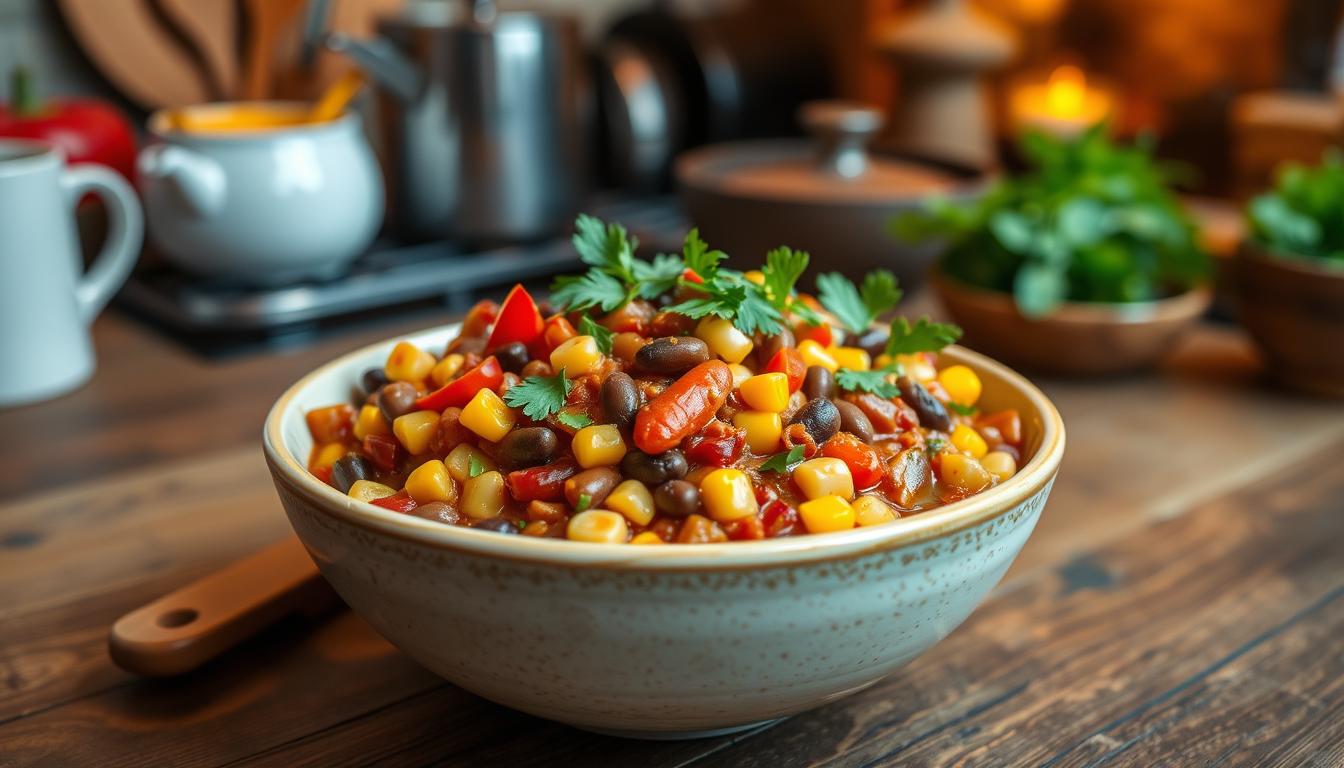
784 462
783 267
924 336
611 281
520 523
574 420
874 381
474 466
934 445
1303 215
539 396
585 501
658 276
600 333
964 410
858 308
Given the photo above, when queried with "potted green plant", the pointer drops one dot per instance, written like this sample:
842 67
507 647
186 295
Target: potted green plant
1288 276
1085 263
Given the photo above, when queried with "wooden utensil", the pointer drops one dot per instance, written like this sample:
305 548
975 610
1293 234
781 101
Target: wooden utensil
297 79
134 50
181 631
337 97
212 27
267 22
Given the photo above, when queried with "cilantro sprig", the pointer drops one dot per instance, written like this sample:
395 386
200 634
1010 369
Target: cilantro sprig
858 308
724 293
574 419
784 462
600 333
924 336
540 396
875 381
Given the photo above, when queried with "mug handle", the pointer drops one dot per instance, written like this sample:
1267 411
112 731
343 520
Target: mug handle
125 232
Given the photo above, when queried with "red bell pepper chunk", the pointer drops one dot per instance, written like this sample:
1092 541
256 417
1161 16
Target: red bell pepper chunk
865 466
543 483
458 392
518 320
689 275
821 334
479 317
788 362
383 451
397 502
778 518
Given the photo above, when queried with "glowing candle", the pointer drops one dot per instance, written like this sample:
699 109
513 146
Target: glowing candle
1064 105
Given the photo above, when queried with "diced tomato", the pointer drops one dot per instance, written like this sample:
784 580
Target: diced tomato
821 334
888 416
323 474
788 362
864 464
333 424
557 331
400 501
519 320
1009 424
382 451
778 518
633 317
458 392
721 451
479 318
745 529
544 483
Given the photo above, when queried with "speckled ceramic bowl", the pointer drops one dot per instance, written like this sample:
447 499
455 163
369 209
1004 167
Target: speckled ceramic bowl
661 642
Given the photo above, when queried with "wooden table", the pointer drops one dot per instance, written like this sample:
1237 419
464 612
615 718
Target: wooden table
1181 602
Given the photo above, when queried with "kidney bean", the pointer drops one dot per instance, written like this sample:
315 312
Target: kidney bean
537 368
819 382
373 380
671 324
396 399
656 469
348 469
620 399
770 346
596 483
684 408
854 421
512 356
677 498
383 451
930 411
543 483
496 524
672 354
527 447
819 417
438 512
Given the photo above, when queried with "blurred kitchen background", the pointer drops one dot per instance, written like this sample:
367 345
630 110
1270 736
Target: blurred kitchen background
493 127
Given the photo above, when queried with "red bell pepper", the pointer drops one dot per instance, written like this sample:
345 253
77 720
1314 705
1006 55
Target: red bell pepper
779 519
543 483
87 131
518 320
479 317
821 334
383 451
788 362
865 466
558 330
397 502
458 392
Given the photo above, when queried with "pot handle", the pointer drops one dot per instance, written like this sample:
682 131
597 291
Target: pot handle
841 131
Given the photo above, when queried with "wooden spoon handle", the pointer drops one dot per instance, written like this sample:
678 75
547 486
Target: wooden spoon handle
185 629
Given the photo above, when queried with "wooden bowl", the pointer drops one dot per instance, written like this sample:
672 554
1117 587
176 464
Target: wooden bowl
1078 339
1294 309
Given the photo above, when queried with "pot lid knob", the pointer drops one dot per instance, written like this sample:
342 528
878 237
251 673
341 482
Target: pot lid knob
841 131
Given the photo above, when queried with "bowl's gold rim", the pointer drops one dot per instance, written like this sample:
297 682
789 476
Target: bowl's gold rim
938 523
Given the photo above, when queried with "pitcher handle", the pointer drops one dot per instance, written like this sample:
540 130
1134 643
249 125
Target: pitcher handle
124 234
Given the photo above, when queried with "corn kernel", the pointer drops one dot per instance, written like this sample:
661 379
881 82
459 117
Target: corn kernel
488 416
408 362
917 367
577 356
370 421
459 461
766 392
368 490
755 276
600 445
963 472
601 526
828 513
740 374
328 454
967 440
870 510
632 499
724 339
647 537
824 477
853 358
415 430
764 429
483 495
446 369
726 494
961 384
999 464
815 354
431 482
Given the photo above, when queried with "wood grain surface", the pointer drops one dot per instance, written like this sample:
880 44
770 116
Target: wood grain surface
1181 602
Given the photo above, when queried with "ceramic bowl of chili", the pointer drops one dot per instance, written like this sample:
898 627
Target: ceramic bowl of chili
675 641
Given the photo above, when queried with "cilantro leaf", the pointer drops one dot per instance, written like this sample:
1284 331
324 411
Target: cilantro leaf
964 410
599 332
607 246
474 466
924 336
732 297
573 420
806 313
784 462
867 381
857 308
539 396
659 276
585 501
697 257
783 267
592 289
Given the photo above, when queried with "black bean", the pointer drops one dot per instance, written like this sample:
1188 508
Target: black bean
620 399
672 355
594 483
396 399
512 357
655 469
854 421
873 341
818 383
527 447
931 412
348 469
437 511
677 498
373 380
820 418
770 345
496 524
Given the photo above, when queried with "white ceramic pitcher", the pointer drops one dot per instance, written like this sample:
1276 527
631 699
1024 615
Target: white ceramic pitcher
46 305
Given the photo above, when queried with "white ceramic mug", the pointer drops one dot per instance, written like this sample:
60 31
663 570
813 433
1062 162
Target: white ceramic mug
46 306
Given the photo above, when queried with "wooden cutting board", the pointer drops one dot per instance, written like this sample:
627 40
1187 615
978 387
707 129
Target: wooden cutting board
211 26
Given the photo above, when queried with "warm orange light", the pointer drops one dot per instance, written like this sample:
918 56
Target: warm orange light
1066 91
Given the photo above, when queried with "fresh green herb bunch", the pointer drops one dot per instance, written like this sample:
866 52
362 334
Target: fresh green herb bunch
1303 215
1092 221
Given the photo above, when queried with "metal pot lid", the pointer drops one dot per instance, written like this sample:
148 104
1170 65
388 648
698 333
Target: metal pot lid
834 168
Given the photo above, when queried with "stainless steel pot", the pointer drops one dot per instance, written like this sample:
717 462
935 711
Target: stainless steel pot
483 119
